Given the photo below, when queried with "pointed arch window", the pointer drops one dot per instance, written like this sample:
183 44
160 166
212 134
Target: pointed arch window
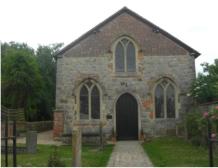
125 56
89 98
165 100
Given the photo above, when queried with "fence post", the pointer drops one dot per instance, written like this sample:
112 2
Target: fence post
210 144
14 144
6 139
101 136
76 147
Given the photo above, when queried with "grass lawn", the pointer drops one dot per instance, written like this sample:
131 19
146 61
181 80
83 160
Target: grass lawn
91 156
172 151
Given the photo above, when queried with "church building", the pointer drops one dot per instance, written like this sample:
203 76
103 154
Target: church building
126 74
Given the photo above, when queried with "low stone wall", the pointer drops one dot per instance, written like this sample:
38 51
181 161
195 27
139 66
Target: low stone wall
23 126
88 139
39 126
19 149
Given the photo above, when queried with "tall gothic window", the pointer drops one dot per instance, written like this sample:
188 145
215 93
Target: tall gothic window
89 101
165 104
125 56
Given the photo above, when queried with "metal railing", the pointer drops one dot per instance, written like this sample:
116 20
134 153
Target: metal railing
211 140
8 115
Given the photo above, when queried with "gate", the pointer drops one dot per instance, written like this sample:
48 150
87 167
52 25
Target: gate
8 132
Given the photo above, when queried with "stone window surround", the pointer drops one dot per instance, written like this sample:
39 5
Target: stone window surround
94 83
170 81
113 48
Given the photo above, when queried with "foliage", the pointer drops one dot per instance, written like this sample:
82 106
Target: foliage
47 65
54 159
176 152
205 87
91 157
212 117
28 79
21 79
197 125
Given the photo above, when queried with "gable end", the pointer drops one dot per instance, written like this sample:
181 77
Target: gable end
155 28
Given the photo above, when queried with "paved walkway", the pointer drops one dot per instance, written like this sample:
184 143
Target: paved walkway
129 154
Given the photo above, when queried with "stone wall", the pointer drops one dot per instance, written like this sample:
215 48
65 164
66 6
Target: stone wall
157 57
23 126
74 70
39 126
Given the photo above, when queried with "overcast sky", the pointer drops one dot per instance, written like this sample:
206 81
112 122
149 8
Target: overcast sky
195 22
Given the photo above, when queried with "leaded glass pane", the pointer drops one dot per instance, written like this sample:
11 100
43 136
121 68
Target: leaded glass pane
130 56
170 101
119 58
84 103
95 103
159 102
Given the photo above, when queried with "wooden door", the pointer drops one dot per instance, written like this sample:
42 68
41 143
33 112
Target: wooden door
127 117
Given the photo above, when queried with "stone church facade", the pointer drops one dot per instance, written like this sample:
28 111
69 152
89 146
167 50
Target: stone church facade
128 75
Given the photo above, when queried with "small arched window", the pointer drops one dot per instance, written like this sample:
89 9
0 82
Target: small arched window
125 56
89 97
165 99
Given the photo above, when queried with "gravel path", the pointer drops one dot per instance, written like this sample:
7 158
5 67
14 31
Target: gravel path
129 154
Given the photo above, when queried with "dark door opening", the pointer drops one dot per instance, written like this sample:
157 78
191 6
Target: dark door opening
127 117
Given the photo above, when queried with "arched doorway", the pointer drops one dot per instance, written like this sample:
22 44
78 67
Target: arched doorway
127 117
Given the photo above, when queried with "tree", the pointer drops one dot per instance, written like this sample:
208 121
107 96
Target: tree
21 79
205 87
47 65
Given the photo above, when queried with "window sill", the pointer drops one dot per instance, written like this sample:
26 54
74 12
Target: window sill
165 119
126 74
87 122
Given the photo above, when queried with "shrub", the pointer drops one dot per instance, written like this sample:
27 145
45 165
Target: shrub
196 127
54 159
212 117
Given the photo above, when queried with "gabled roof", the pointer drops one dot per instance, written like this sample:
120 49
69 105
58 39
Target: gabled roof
130 12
